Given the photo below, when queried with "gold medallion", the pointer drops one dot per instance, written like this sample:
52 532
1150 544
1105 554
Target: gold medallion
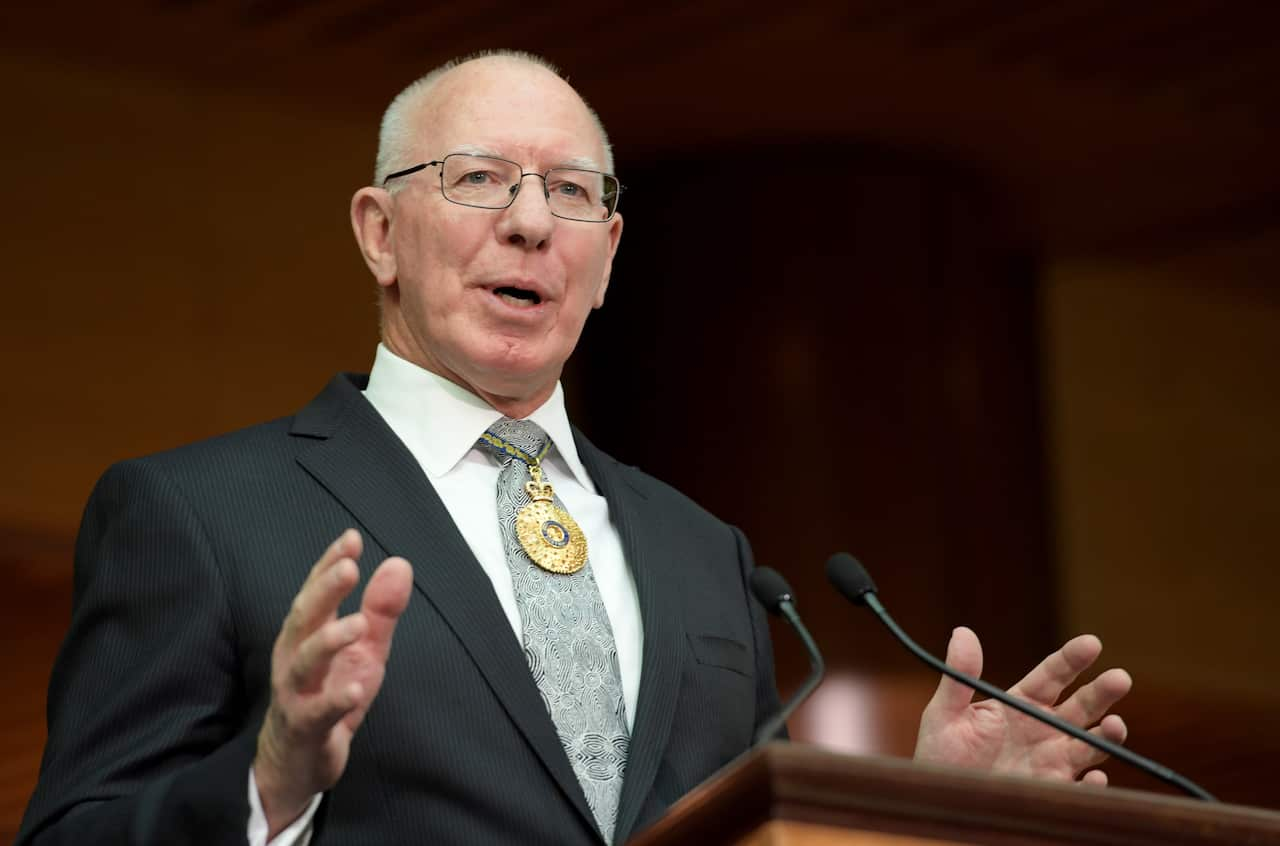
548 534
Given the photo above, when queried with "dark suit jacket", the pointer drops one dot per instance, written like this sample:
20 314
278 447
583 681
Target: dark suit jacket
186 565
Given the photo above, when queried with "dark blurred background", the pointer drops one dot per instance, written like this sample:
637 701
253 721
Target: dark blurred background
1021 357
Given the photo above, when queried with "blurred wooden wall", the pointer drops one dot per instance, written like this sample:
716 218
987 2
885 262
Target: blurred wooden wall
1029 442
1161 374
177 262
846 365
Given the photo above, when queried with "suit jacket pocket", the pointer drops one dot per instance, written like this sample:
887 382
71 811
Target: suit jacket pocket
717 651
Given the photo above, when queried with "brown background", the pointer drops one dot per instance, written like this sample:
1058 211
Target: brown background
1020 356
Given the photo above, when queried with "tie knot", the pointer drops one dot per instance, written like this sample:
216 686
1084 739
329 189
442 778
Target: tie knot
521 439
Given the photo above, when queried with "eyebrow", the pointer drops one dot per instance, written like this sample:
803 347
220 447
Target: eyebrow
474 150
580 162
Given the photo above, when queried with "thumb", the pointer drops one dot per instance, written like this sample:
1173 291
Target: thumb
386 596
964 653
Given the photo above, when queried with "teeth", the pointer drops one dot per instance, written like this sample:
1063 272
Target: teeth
516 301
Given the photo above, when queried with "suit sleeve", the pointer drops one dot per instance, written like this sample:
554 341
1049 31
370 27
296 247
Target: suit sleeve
767 703
150 738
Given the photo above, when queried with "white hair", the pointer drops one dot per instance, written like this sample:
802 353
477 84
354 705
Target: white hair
396 136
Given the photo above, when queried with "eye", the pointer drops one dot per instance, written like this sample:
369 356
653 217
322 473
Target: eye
567 189
477 177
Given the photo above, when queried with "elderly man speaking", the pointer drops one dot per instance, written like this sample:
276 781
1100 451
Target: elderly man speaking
574 646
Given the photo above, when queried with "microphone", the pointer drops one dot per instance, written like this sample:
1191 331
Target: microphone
852 580
773 592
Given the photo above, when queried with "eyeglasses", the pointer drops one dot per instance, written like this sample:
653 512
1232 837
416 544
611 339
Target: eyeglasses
487 182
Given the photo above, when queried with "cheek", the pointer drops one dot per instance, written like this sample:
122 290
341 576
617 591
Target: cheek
591 261
457 241
436 259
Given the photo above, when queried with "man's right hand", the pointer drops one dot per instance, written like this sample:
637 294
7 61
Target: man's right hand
325 673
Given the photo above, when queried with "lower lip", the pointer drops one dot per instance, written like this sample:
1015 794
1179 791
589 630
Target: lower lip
516 311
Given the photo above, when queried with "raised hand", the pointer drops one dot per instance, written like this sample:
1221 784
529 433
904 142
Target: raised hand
956 730
325 673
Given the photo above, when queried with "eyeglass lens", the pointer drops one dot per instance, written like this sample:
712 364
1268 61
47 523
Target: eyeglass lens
491 183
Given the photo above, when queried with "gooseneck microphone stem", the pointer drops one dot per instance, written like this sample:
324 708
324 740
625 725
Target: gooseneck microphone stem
816 668
773 592
1113 749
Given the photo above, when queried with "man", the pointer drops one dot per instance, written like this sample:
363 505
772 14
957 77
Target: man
530 696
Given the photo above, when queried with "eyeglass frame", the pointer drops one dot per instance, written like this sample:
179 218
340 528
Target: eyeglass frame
514 190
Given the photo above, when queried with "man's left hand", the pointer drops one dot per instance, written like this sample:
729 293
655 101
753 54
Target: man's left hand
956 730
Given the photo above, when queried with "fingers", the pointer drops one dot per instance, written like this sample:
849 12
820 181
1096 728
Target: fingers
1097 778
1081 756
326 671
349 544
330 581
1045 683
964 653
320 714
1112 728
312 660
384 600
308 719
1088 704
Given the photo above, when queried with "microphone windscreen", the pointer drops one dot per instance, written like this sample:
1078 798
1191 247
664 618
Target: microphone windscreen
849 577
769 587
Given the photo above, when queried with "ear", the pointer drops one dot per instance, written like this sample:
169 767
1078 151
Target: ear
615 235
371 223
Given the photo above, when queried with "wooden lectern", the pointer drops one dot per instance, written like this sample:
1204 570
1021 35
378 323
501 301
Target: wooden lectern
793 795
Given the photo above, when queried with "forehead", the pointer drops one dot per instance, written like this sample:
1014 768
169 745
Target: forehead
513 109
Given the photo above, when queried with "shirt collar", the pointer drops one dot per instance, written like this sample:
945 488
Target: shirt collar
440 422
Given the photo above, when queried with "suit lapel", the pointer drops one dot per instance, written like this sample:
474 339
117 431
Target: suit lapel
361 462
653 559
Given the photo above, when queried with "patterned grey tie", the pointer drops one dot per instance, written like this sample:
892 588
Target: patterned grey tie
568 641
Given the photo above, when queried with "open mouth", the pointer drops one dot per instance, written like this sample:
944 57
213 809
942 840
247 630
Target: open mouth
519 297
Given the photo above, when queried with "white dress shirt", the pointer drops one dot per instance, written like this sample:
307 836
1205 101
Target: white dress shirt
440 423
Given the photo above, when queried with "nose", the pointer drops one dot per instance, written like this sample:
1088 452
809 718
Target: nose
528 221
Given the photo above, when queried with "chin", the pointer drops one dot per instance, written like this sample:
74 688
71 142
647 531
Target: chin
518 372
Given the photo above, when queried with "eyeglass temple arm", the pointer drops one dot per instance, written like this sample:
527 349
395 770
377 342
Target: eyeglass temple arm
407 171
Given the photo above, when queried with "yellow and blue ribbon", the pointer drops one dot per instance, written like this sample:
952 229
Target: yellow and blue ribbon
507 448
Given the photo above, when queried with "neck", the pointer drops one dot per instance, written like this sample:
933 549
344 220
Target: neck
516 406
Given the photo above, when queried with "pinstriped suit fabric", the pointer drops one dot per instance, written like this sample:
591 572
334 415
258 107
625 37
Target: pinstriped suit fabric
187 562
